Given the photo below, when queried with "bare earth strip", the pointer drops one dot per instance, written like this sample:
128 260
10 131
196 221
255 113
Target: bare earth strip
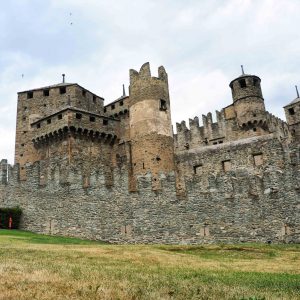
42 267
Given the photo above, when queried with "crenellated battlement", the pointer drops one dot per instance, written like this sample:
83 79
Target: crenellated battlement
196 136
145 74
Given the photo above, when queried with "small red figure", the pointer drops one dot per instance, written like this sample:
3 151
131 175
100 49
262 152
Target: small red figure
10 223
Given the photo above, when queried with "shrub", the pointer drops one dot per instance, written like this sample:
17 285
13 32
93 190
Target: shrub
13 212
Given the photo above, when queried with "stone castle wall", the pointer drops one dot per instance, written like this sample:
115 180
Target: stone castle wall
240 191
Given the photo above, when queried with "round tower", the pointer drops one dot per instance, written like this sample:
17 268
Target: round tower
150 122
248 102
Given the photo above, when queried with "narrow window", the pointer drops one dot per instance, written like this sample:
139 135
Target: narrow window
83 93
46 93
121 103
94 99
242 83
291 111
226 165
105 122
92 119
105 109
112 107
215 143
220 142
78 116
29 95
255 81
49 121
163 104
38 125
258 159
59 117
254 129
62 90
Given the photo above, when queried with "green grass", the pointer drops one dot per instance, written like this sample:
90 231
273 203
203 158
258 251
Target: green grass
29 237
45 267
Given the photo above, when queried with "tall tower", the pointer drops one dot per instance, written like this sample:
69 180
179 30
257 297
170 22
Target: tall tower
249 104
292 113
150 123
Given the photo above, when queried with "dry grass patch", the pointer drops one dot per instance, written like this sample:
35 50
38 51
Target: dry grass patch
41 267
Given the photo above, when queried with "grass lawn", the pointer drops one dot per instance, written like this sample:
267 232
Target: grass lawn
43 267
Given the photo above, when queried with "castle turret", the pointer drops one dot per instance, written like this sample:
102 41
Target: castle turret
150 122
248 102
292 113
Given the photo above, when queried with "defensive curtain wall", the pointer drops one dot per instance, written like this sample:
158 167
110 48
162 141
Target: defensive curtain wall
227 198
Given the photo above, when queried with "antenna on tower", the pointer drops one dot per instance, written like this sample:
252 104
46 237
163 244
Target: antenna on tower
124 94
63 76
242 67
297 91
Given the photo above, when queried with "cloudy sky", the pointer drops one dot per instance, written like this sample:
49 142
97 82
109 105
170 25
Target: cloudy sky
201 44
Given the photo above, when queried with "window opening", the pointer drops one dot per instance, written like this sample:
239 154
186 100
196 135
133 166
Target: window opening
121 103
163 104
92 119
105 109
59 117
105 122
46 93
62 90
38 125
83 93
258 159
112 106
29 95
78 116
49 121
197 169
242 83
226 165
291 111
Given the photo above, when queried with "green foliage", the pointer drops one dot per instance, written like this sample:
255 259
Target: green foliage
13 212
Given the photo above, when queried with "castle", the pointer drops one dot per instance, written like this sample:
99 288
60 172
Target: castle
118 173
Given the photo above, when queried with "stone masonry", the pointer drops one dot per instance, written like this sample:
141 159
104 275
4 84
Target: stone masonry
118 173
